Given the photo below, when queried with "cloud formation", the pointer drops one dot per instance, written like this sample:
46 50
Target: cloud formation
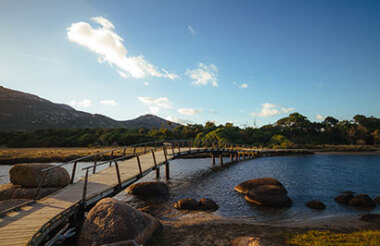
203 75
85 103
189 111
191 30
271 109
320 117
244 86
155 104
178 120
109 102
109 46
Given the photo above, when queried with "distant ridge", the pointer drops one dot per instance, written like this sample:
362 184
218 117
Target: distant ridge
21 111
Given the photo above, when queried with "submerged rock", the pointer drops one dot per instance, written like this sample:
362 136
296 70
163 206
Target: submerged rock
111 221
29 175
377 199
187 204
148 189
248 185
344 197
207 204
371 218
270 196
362 200
315 204
11 191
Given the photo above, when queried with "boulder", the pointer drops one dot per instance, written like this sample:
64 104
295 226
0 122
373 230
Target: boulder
187 204
250 241
269 196
207 204
29 175
248 185
11 191
344 197
315 204
148 189
371 218
377 199
362 200
111 221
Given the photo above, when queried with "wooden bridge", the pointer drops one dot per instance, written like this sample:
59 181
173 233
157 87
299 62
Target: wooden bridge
35 222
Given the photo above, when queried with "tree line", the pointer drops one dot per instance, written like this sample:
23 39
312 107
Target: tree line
294 131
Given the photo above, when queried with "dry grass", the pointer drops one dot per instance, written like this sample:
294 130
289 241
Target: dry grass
18 155
319 238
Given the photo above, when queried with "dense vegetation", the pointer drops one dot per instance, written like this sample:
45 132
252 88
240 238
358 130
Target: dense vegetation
294 131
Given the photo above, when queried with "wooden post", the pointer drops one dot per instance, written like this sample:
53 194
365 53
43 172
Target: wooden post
231 158
85 189
118 173
73 172
134 150
139 164
173 150
111 159
221 159
94 169
155 165
213 158
166 164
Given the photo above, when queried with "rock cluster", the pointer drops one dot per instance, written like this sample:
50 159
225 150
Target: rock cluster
25 179
113 222
148 189
203 204
266 191
360 200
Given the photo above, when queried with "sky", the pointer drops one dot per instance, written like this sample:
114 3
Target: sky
246 62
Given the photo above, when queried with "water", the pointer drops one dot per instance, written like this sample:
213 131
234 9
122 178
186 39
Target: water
307 177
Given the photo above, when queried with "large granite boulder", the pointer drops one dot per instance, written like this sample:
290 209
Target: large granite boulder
148 189
187 204
11 191
207 205
362 200
248 185
111 221
315 204
29 175
344 197
269 196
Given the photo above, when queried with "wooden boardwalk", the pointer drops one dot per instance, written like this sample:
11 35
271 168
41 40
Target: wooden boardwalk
30 224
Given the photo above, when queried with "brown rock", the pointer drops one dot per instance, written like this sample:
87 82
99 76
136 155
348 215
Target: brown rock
207 204
377 199
187 204
270 196
148 189
250 241
344 198
362 200
248 185
111 221
315 204
11 191
29 175
371 218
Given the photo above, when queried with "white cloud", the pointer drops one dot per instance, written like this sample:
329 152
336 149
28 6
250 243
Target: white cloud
203 75
189 111
244 86
158 102
320 117
270 109
154 109
191 30
108 45
109 102
146 83
178 120
85 103
122 74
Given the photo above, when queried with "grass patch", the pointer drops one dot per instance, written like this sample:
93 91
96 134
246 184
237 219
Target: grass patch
322 238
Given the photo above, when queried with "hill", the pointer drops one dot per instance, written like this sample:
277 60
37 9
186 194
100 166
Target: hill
21 111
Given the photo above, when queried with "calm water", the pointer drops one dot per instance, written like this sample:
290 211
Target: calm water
319 176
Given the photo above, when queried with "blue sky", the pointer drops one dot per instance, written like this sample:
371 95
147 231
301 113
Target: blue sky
194 61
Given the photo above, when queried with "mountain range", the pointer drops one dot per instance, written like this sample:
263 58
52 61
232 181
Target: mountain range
21 111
